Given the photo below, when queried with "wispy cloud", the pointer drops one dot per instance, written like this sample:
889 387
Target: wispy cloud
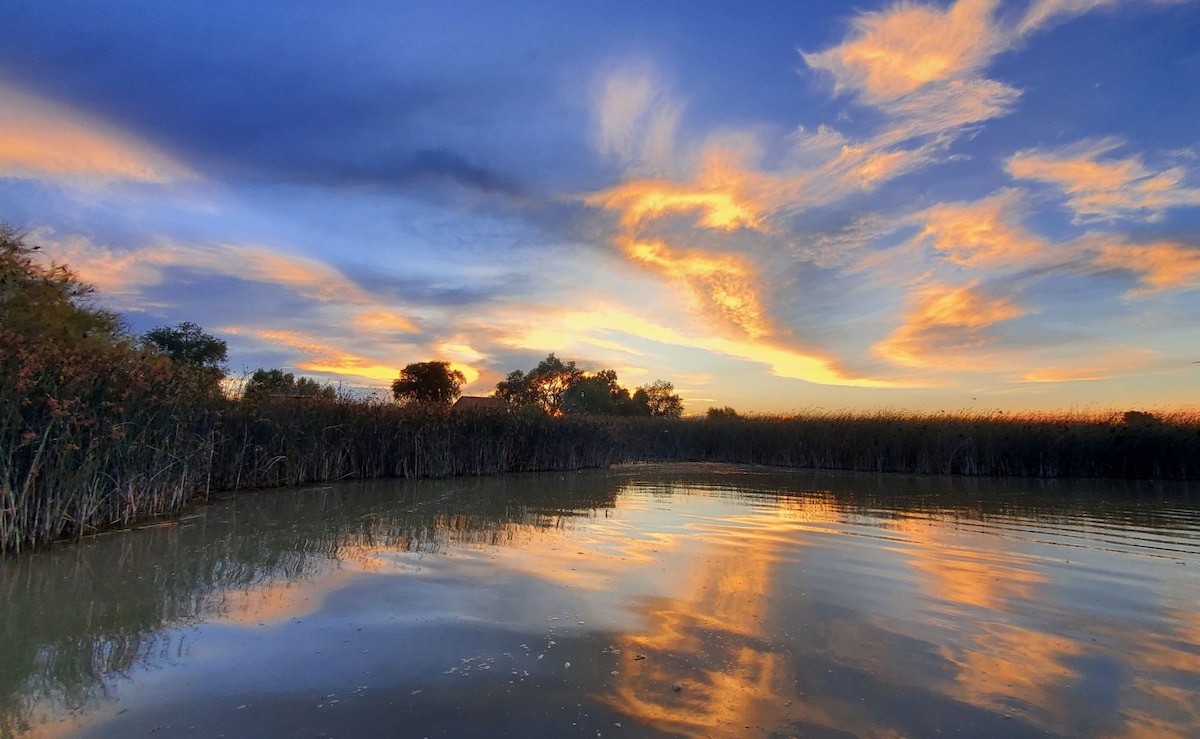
984 234
41 140
724 285
124 274
563 329
895 52
946 325
1117 362
1104 188
1159 266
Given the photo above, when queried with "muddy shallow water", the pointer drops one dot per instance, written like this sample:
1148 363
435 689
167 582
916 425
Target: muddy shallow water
689 600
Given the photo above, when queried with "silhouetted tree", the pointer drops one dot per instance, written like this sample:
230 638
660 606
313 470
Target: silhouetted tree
722 412
598 394
659 399
428 382
542 387
266 383
187 343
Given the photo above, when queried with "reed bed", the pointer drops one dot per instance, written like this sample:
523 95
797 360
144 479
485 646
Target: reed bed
69 469
1099 444
150 449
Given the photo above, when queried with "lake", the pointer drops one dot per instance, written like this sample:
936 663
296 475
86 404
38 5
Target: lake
641 601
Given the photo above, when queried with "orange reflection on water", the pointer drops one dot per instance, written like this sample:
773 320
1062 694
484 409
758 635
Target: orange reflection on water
709 639
972 573
1004 665
716 636
1164 700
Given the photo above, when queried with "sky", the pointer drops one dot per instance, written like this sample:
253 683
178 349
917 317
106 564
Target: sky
778 206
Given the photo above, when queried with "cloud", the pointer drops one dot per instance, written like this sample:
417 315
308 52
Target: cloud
1103 188
945 324
725 285
311 355
123 275
635 123
1126 362
895 52
1046 13
562 329
983 234
41 140
1159 266
640 201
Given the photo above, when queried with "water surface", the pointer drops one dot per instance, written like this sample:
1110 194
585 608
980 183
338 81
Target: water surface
681 600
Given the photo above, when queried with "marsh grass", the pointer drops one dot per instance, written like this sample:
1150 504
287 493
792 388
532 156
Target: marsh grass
150 448
1096 444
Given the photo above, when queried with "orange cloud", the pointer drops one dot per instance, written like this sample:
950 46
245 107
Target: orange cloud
559 330
125 274
1105 189
643 200
381 319
980 234
945 323
899 50
724 284
324 359
1160 266
44 140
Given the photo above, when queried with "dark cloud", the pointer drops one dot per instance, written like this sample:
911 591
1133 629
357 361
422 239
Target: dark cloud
300 93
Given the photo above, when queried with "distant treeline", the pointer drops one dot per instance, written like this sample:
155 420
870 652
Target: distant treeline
99 429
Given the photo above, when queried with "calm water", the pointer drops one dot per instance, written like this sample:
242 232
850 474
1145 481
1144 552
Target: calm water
642 601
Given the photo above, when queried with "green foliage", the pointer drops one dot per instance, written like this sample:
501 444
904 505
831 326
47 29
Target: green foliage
275 383
93 430
659 399
722 412
186 343
48 304
428 382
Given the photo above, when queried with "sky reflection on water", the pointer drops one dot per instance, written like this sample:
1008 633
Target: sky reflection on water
778 603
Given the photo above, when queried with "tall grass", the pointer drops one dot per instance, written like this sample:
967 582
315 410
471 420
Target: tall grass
1108 444
73 468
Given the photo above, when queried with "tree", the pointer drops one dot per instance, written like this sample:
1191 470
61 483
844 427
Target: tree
723 412
187 343
598 394
48 305
542 387
428 382
270 383
659 399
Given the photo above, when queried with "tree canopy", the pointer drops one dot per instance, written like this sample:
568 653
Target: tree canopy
562 388
544 387
428 382
187 343
659 399
48 304
270 383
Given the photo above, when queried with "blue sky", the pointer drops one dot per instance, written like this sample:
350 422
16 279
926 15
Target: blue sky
777 206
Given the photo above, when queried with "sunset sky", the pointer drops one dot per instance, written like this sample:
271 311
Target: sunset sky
778 206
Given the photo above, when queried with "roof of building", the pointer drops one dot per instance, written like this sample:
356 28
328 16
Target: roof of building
479 403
